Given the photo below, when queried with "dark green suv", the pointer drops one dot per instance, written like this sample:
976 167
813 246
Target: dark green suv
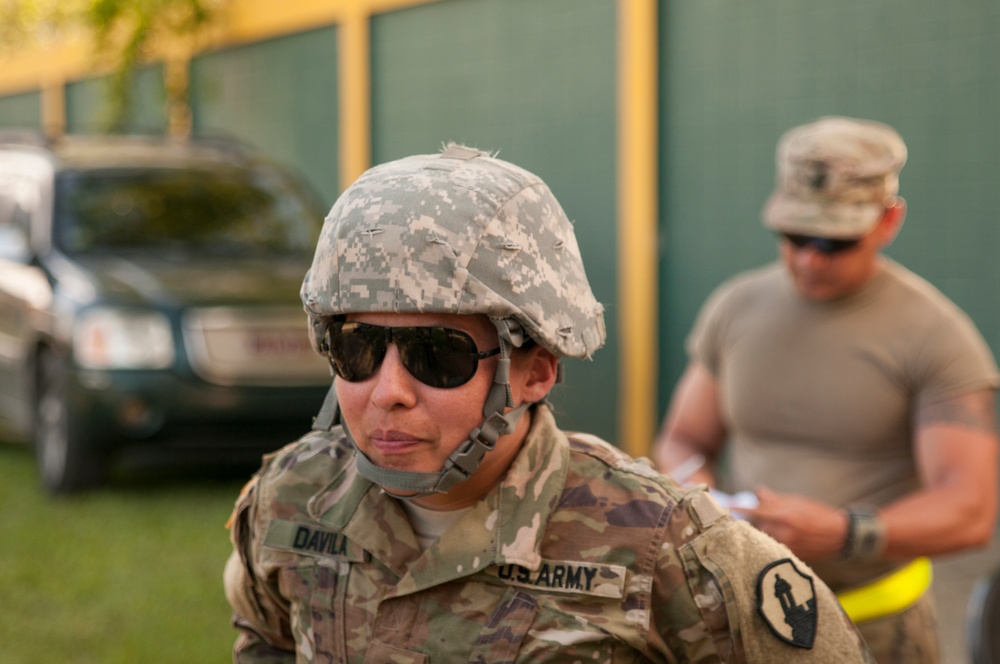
149 298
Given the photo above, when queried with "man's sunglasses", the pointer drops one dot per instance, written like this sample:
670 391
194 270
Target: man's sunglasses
436 356
823 245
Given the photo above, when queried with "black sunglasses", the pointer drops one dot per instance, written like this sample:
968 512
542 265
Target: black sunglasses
823 245
436 356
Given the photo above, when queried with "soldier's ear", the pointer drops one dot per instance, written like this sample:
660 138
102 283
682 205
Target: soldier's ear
535 371
891 221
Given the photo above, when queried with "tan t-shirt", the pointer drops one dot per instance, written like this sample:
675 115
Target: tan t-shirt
818 397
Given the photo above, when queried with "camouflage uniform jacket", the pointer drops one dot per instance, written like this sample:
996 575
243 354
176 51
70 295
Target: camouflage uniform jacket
580 554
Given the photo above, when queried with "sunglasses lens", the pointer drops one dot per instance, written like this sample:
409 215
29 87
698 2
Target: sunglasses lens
437 356
798 241
356 349
843 245
821 244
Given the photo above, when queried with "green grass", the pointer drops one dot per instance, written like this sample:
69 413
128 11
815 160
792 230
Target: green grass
129 573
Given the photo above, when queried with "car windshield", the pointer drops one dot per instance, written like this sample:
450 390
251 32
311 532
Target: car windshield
193 210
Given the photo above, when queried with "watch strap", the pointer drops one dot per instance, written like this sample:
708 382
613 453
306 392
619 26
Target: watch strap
866 534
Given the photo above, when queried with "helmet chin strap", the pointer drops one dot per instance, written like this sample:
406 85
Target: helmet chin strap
465 460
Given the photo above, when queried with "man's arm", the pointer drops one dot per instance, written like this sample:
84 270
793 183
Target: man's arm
955 446
956 454
692 427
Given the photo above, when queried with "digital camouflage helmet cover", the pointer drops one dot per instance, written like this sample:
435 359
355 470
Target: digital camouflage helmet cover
459 232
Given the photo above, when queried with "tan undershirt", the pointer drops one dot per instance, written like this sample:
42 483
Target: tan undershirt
429 525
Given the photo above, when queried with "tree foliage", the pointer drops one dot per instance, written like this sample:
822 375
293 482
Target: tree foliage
125 34
30 22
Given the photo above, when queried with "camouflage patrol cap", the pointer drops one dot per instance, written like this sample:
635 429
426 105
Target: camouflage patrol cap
458 232
835 177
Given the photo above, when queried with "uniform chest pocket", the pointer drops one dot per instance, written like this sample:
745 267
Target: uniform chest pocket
504 632
318 595
528 627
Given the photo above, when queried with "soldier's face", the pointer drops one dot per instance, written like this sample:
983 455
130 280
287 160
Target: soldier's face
822 276
401 423
827 276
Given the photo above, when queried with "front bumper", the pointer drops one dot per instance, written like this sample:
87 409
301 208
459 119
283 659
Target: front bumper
124 407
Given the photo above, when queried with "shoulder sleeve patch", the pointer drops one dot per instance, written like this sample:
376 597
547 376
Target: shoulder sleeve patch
786 600
771 622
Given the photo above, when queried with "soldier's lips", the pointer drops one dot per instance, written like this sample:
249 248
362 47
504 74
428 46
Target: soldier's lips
394 442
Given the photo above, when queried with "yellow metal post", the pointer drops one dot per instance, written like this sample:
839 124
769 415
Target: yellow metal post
53 94
177 75
354 55
637 151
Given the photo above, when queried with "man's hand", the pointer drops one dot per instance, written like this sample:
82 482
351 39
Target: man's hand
811 529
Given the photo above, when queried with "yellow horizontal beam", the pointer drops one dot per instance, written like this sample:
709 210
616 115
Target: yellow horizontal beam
38 68
242 21
254 20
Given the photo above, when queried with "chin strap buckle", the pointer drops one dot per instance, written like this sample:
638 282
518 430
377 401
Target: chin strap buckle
481 440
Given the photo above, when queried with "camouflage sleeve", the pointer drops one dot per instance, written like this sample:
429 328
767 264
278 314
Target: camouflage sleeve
727 592
260 613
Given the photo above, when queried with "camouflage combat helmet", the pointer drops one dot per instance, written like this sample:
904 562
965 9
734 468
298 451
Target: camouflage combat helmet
458 232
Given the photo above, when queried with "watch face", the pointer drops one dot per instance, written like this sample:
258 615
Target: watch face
866 534
868 542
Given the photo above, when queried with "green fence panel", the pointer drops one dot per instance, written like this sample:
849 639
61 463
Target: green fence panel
90 104
534 80
21 111
278 95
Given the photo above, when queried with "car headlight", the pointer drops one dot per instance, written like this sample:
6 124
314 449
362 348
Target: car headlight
121 339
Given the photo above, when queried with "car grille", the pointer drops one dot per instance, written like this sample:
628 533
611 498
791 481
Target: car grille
259 346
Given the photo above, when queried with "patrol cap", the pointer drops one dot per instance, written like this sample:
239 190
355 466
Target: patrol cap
458 232
834 177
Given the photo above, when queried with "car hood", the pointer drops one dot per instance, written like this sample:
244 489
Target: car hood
193 282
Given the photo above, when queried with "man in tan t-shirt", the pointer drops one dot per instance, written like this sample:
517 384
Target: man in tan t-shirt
855 401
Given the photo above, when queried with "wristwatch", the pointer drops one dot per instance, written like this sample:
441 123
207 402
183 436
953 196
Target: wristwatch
866 537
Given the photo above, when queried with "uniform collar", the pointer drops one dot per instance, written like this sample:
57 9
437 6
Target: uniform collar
505 527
